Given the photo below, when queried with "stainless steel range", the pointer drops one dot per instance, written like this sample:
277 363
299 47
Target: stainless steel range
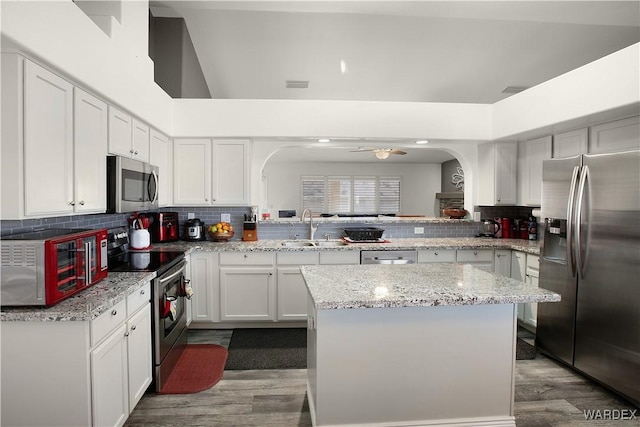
168 294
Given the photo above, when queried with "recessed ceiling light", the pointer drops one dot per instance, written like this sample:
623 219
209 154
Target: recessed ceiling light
324 140
343 66
422 142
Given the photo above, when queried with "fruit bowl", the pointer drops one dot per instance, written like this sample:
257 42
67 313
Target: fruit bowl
455 213
220 237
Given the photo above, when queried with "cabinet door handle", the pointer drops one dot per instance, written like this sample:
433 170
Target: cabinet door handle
142 292
246 256
270 274
114 312
72 203
135 152
131 151
435 253
475 253
81 202
133 328
126 334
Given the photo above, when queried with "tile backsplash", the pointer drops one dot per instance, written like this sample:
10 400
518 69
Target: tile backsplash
266 230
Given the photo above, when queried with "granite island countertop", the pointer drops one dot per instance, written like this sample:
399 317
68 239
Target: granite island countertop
414 285
528 246
85 305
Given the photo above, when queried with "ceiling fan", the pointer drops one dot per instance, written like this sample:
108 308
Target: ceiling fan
380 153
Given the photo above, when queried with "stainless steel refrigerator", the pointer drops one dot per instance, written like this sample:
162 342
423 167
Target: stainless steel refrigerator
590 254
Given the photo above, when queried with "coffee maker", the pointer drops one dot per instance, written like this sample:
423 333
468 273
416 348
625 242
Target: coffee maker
164 227
250 233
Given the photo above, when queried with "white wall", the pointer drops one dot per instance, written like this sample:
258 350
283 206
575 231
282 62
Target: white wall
62 37
295 118
420 182
580 96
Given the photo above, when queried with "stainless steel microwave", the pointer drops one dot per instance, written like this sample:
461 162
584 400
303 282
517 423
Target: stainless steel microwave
131 185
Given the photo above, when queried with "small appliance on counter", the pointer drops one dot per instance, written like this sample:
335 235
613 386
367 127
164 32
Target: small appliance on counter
164 227
195 230
490 228
250 233
42 268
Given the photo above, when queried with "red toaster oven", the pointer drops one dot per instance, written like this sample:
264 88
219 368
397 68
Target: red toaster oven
42 268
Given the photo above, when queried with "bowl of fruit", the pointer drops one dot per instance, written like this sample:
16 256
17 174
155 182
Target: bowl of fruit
220 232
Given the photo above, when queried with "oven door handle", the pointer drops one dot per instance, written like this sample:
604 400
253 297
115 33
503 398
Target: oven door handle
172 276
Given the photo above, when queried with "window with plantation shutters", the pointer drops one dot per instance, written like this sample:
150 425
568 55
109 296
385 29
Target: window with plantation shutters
351 194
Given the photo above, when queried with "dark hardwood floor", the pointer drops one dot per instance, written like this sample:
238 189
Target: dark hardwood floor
546 394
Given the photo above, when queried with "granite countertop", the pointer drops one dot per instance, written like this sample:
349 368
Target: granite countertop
85 305
414 285
528 246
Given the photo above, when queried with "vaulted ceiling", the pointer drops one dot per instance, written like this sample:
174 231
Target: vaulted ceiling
420 51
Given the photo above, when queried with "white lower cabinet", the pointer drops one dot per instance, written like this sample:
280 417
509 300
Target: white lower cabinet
204 303
480 258
518 271
109 380
340 257
530 315
291 289
502 262
91 373
247 286
121 366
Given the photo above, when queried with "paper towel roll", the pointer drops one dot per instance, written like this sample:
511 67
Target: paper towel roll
536 212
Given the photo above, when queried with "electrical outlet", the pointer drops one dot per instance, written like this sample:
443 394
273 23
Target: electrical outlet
191 215
418 230
476 216
225 217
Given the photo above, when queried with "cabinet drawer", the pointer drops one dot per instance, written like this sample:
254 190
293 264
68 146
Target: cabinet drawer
139 298
474 255
246 258
437 255
299 258
108 321
342 257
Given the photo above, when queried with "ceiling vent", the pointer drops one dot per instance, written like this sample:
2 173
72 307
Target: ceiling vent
296 84
514 89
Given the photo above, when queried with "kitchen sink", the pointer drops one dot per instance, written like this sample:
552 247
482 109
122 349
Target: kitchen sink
297 244
313 243
330 243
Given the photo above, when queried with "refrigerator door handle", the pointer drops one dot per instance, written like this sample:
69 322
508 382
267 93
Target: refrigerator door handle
581 257
571 259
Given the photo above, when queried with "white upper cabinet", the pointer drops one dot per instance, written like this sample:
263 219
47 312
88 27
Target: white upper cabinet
90 143
120 125
572 143
620 135
128 137
531 155
497 181
37 141
211 173
48 142
192 172
140 141
230 185
160 155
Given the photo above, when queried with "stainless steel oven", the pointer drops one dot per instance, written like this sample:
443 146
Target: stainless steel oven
169 321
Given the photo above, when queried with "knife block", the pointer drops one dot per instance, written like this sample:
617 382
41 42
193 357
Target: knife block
250 233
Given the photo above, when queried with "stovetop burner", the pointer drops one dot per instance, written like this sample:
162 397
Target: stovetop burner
121 259
145 261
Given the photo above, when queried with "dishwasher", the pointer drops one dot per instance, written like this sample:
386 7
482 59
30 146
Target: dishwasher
388 257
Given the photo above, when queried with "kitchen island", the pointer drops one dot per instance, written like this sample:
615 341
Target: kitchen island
409 345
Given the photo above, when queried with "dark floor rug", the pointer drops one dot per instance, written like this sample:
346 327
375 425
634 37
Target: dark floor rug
524 350
268 348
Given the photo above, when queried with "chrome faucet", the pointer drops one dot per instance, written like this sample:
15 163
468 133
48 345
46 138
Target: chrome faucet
312 229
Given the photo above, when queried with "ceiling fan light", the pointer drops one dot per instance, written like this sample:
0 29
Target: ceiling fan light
382 154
